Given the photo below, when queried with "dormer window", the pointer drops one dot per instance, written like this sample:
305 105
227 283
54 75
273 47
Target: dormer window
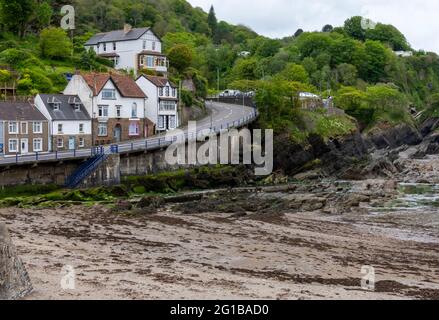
174 92
167 91
161 92
77 107
56 106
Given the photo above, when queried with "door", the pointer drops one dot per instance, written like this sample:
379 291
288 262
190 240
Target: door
117 133
72 145
24 146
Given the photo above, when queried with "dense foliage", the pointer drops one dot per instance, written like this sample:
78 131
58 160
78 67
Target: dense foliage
357 66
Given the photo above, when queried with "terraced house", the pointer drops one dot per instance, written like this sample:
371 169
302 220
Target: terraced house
131 49
162 104
116 105
23 129
69 121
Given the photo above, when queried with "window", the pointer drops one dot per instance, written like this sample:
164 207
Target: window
161 123
134 110
167 91
60 128
150 62
134 129
13 145
24 127
81 128
38 145
153 46
13 128
105 47
174 92
114 46
109 94
172 123
161 92
115 61
118 111
77 107
144 45
167 106
103 111
81 142
37 127
102 130
60 143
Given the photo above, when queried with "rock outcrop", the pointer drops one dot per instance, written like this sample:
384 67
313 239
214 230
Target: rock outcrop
14 279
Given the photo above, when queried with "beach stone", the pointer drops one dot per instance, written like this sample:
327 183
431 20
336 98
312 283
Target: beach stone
14 279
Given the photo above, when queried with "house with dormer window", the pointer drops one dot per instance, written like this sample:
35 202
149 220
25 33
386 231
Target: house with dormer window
131 49
69 121
116 105
162 104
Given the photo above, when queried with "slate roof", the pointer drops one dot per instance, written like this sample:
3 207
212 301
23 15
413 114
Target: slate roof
159 81
12 111
116 36
67 109
126 86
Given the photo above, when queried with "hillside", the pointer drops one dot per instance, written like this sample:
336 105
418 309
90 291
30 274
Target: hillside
358 68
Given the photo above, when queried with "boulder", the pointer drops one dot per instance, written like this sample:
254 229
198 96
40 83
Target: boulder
14 279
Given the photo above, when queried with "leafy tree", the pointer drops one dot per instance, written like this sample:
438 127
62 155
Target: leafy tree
16 14
313 44
5 76
347 74
295 72
354 28
268 47
44 14
245 69
327 28
181 57
54 43
390 35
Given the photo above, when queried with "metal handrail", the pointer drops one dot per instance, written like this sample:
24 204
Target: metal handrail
149 144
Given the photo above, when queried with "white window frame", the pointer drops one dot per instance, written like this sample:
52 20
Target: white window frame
135 132
77 107
118 111
102 129
81 128
16 145
12 125
161 122
102 111
37 127
144 44
134 111
106 96
81 142
40 141
114 46
172 122
60 128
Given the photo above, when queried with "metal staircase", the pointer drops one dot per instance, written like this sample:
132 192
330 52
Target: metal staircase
86 169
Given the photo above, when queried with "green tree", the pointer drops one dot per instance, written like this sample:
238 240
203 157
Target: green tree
354 28
212 22
295 72
245 69
54 43
390 35
327 28
347 74
16 14
44 14
181 57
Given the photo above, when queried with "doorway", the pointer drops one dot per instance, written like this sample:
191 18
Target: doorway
118 133
24 146
72 144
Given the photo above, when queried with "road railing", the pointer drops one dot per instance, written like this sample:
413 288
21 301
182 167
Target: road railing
149 144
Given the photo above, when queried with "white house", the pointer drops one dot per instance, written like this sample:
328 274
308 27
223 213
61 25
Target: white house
69 122
162 104
116 104
131 49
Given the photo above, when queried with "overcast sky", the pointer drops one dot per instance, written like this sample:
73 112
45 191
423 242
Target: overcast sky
417 19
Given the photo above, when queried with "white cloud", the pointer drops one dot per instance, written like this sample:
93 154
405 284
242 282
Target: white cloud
417 19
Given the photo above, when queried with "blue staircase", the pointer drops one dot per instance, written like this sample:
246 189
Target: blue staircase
85 170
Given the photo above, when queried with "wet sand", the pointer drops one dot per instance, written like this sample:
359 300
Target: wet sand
169 255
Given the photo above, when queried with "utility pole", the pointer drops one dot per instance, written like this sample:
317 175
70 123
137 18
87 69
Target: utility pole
218 74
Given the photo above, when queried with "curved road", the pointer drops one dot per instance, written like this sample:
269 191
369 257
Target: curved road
222 116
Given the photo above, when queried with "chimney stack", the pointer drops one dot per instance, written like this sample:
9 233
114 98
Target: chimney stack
127 28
